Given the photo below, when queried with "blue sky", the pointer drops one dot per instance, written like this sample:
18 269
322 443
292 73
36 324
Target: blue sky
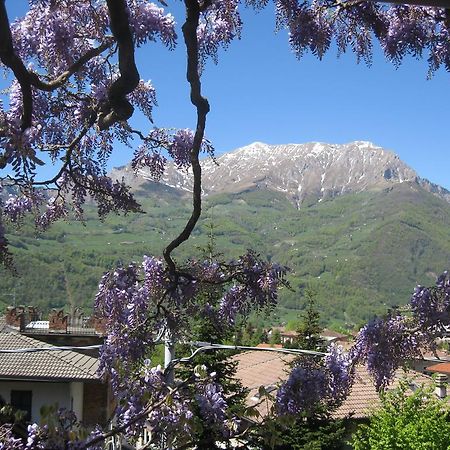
259 91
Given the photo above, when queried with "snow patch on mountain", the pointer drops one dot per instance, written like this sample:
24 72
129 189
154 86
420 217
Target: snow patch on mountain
311 171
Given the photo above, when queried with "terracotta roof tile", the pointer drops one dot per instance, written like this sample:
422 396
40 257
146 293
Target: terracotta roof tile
259 368
63 364
440 368
264 345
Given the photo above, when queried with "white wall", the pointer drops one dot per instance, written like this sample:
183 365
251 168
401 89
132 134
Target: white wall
76 399
43 393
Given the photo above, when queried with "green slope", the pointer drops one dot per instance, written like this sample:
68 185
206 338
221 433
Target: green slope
361 252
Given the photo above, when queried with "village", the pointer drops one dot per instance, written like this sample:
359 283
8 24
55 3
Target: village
50 364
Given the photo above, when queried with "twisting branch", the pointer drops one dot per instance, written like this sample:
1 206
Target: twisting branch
9 58
201 103
118 108
68 156
75 67
26 78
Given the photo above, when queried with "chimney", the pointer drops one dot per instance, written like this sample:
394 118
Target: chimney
57 321
17 317
441 385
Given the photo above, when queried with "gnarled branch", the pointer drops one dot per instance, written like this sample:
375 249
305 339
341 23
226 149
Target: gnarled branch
75 67
10 59
201 103
118 108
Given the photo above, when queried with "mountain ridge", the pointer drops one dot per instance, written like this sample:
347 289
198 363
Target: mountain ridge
361 252
305 173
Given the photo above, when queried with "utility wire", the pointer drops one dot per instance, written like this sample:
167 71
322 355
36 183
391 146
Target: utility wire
201 347
204 346
49 349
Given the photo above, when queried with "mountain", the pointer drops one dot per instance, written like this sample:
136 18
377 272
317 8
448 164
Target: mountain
305 173
362 243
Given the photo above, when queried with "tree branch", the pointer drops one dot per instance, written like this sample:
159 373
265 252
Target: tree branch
70 148
201 103
118 108
75 67
9 58
432 3
27 79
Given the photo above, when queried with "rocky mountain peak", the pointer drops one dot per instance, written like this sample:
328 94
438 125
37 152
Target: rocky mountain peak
304 172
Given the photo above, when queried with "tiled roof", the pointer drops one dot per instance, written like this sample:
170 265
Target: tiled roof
440 368
289 333
265 345
332 334
364 397
259 368
42 365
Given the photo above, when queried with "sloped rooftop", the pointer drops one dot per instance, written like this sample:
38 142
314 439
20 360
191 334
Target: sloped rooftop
261 368
440 368
61 365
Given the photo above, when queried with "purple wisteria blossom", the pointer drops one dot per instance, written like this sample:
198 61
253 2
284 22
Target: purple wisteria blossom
67 434
220 24
340 370
384 345
53 38
256 287
431 306
55 210
303 391
15 207
148 21
211 402
317 387
177 144
71 62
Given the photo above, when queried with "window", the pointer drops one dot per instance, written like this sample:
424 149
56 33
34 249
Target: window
22 400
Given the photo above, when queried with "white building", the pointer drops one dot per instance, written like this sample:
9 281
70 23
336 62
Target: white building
32 379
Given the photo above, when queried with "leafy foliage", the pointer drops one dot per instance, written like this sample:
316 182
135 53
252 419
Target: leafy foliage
362 268
313 434
309 329
73 63
409 422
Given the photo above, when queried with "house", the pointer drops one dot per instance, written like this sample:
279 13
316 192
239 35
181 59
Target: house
330 336
288 337
60 329
442 368
37 376
269 368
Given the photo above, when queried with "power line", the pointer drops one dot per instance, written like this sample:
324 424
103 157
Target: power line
202 346
49 349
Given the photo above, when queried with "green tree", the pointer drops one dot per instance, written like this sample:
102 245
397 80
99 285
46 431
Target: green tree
219 362
309 327
289 433
408 422
248 334
207 329
317 431
275 338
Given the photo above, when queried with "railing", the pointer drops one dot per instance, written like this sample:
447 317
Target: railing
43 327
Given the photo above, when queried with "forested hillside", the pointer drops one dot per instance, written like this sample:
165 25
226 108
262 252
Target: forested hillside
361 252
